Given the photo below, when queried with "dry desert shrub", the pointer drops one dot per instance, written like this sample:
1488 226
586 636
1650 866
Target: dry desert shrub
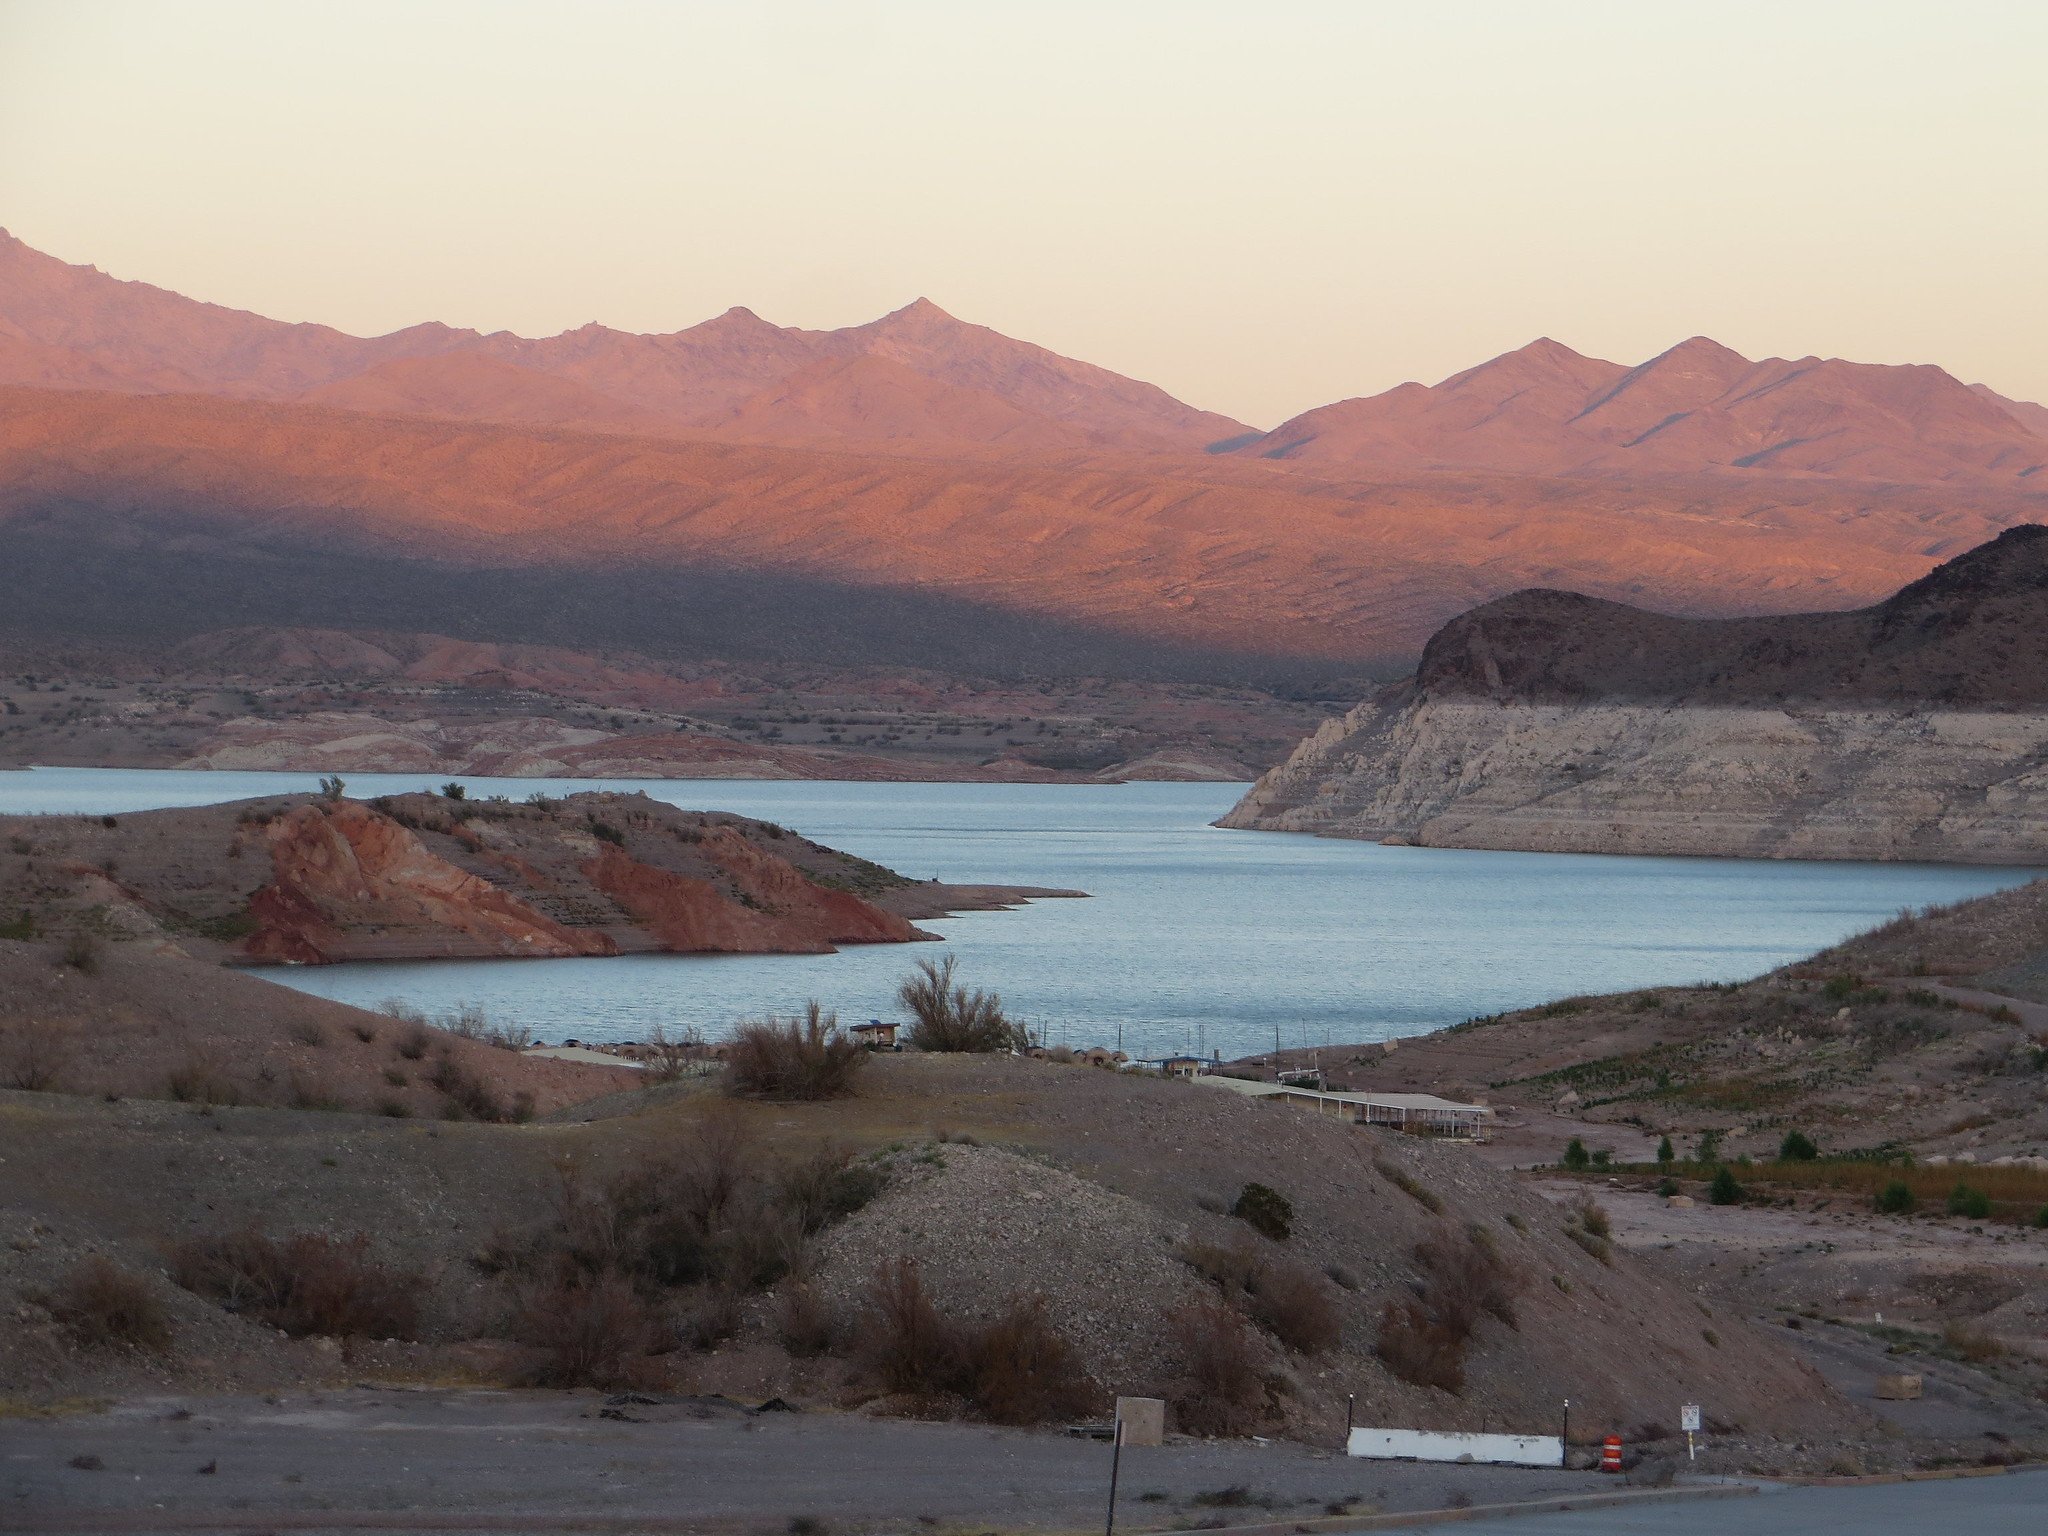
1282 1297
1294 1306
1014 1370
34 1055
805 1323
590 1330
802 1060
1464 1278
1225 1387
1024 1372
1419 1348
100 1305
202 1078
948 1017
905 1342
465 1095
688 1232
309 1283
1972 1343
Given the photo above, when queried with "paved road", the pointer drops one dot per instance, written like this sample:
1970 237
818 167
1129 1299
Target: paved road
443 1459
2013 1505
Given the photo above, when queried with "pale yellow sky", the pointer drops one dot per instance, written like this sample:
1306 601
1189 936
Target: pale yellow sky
1259 207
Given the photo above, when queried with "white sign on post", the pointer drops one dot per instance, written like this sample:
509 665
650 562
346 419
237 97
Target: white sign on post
1689 1418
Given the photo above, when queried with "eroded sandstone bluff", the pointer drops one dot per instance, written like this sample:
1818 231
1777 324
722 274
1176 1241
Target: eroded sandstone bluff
1913 729
308 880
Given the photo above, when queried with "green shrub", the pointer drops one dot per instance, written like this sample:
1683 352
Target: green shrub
1968 1202
1665 1151
1724 1190
1576 1157
1265 1210
1667 1187
1896 1199
1797 1147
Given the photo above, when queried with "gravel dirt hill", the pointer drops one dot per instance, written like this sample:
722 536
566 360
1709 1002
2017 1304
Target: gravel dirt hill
1086 1189
146 1025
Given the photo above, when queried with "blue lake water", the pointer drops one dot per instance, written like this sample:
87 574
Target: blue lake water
1193 937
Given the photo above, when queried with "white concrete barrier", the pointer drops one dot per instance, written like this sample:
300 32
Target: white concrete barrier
1443 1445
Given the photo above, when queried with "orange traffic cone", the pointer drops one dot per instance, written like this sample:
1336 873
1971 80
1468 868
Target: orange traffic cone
1610 1454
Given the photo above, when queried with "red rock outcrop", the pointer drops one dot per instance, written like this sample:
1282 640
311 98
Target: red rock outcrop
792 915
350 883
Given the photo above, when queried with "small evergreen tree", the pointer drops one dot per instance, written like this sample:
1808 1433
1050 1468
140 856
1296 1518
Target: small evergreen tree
1797 1147
1666 1153
1709 1148
1265 1210
1972 1203
1896 1199
1576 1157
1724 1190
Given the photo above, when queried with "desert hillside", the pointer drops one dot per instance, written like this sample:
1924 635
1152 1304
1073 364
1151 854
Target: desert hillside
143 521
314 879
1096 1201
1548 721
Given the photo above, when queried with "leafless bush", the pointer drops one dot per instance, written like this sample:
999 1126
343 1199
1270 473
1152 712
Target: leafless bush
201 1079
464 1093
308 1032
1295 1307
414 1043
591 1330
1972 1343
805 1322
906 1343
309 1283
1014 1370
34 1054
1288 1301
1225 1387
793 1060
303 1092
710 1209
1465 1277
949 1017
1419 1348
1228 1266
1024 1372
1593 1217
711 1315
99 1305
81 952
827 1186
670 1059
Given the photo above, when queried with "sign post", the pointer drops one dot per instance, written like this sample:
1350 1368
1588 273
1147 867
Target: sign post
1116 1457
1564 1438
1689 1421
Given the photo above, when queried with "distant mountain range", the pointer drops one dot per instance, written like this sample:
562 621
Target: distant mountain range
923 491
917 374
1546 410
